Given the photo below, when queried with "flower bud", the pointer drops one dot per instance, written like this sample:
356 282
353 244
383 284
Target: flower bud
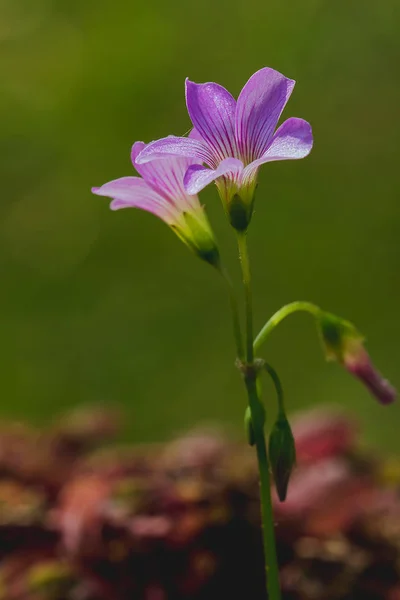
282 455
343 343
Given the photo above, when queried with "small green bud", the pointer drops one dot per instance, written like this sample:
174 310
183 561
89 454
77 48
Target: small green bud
282 455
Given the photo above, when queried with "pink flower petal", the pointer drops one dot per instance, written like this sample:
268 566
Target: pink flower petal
293 140
212 111
134 192
198 177
164 175
175 146
259 107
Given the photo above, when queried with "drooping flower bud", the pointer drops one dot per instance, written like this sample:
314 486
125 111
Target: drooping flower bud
282 454
343 343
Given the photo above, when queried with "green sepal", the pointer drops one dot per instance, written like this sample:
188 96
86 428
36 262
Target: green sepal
239 214
337 335
195 231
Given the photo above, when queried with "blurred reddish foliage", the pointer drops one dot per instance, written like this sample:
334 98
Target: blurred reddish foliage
82 521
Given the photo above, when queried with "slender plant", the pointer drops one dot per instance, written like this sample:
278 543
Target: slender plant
229 142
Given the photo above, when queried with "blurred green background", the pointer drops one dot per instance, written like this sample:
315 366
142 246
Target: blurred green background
110 307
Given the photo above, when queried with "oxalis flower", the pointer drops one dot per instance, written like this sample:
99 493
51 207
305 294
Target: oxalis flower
235 138
160 191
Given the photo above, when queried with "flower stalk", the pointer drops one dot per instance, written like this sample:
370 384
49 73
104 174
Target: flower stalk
257 413
278 387
237 330
281 314
246 274
341 343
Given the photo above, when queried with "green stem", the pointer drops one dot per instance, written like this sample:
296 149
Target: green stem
237 330
267 515
246 273
257 420
281 314
278 387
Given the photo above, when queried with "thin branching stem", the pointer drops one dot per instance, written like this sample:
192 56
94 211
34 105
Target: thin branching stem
257 419
281 314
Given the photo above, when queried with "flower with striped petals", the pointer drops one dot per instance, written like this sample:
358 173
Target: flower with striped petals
234 138
160 191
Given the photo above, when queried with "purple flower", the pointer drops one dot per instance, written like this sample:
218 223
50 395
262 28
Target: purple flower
235 138
160 191
343 343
